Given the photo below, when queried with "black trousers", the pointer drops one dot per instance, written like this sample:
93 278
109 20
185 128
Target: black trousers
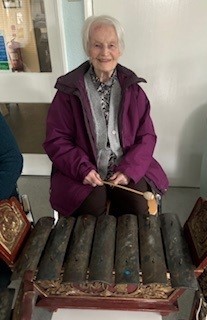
121 201
5 275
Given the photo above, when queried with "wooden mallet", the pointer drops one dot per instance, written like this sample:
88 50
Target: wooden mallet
147 195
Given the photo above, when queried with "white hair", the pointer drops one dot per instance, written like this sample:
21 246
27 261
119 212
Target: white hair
97 20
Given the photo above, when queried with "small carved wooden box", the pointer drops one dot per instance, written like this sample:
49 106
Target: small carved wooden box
14 227
195 230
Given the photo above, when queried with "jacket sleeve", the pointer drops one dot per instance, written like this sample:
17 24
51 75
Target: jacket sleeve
137 135
11 161
60 143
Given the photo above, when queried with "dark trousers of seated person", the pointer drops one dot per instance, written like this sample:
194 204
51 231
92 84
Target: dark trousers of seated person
121 201
5 275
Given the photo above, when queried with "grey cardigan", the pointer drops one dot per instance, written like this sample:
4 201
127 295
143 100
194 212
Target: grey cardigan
104 133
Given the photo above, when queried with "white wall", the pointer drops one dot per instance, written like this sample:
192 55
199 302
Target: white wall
166 44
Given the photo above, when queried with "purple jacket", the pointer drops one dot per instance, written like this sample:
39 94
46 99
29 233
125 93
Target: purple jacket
70 138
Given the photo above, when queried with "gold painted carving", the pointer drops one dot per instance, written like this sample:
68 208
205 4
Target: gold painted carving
11 225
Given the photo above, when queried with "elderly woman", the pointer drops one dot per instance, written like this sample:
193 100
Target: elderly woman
99 128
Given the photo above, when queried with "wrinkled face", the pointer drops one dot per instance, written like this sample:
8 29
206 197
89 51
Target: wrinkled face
104 50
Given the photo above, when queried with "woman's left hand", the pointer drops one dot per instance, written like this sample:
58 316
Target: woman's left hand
119 178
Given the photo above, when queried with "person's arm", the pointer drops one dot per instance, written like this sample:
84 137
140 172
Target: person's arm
60 143
11 161
138 155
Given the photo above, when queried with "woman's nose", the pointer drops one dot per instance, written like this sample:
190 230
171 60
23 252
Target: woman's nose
105 50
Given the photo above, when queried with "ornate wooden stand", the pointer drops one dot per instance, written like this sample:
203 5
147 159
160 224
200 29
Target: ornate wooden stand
108 263
111 263
34 296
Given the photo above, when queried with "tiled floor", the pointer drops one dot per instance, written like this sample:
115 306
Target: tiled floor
27 122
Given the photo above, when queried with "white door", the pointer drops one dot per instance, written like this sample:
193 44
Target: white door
32 56
34 86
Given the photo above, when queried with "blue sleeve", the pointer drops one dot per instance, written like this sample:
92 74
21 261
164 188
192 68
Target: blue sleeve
11 161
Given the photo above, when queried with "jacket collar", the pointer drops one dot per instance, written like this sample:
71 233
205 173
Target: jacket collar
73 80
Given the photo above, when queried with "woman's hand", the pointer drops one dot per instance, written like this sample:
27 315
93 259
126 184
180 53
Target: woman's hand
119 178
93 179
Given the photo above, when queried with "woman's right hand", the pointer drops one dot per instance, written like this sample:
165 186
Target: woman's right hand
93 179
